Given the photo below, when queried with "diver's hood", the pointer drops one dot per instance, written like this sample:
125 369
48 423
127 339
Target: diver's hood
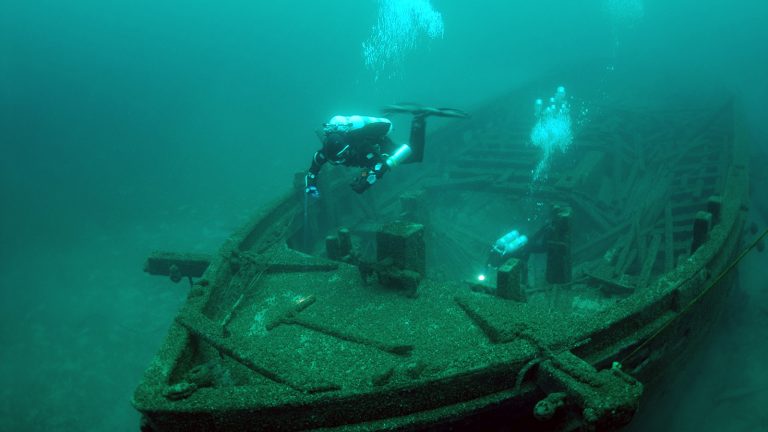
335 148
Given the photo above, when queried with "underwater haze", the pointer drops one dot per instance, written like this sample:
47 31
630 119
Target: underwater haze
133 126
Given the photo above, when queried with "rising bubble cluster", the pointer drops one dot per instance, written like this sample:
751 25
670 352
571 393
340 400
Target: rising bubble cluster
401 26
552 131
625 13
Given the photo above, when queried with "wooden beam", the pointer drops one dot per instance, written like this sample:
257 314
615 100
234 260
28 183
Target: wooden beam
176 265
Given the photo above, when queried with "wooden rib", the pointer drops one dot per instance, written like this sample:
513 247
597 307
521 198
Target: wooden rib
650 260
626 248
669 258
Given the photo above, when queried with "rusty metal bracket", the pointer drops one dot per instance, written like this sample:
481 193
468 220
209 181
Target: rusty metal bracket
604 400
176 265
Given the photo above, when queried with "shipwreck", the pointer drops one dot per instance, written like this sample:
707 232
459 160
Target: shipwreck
379 311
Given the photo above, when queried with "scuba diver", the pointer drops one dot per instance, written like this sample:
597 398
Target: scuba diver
516 245
361 141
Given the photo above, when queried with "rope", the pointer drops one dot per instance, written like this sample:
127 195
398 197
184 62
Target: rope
698 297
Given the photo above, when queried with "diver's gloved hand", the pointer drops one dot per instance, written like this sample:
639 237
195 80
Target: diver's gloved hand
310 185
313 192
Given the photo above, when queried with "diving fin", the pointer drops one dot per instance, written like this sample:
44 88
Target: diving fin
420 110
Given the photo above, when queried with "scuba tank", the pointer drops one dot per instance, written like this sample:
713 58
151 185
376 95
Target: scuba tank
505 247
510 242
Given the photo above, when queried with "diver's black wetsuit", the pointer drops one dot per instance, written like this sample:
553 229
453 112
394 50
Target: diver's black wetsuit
360 148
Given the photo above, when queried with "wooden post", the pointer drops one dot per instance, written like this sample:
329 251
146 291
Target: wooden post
701 226
714 204
345 242
508 280
403 242
332 247
559 262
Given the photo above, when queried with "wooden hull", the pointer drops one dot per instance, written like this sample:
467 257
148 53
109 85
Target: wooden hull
349 355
